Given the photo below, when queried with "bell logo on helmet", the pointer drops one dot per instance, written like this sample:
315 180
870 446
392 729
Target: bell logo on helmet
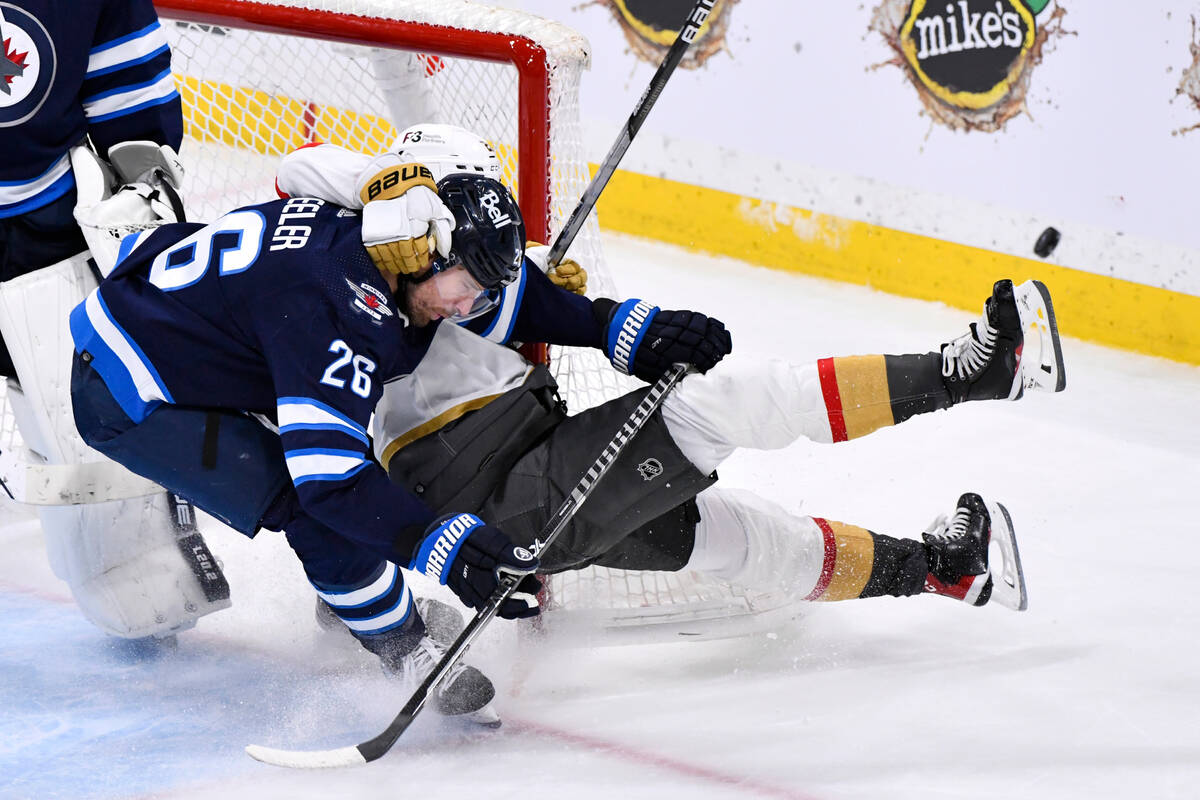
491 204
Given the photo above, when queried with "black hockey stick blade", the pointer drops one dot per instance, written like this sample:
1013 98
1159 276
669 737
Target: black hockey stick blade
374 748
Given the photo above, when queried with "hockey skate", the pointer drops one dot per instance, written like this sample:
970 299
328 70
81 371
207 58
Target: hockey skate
960 565
465 691
1013 347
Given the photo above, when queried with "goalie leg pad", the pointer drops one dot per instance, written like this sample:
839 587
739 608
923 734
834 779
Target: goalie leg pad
122 559
132 572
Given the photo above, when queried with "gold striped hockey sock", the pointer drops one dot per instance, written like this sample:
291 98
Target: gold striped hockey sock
859 563
865 393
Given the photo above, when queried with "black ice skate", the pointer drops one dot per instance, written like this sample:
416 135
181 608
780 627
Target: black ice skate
959 562
1013 347
465 691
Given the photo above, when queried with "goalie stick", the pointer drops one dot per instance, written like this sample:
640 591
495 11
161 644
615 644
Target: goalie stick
372 749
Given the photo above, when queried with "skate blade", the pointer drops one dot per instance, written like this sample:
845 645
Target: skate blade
485 717
1008 580
1041 352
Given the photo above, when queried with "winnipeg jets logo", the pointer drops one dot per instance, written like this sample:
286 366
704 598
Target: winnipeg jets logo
11 66
370 301
650 469
491 203
27 65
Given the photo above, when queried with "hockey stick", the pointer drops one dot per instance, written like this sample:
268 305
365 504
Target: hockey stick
687 35
378 746
372 749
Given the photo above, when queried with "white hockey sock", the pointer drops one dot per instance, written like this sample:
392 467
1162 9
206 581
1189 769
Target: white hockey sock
763 405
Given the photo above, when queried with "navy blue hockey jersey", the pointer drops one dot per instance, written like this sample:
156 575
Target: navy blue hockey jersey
274 308
70 68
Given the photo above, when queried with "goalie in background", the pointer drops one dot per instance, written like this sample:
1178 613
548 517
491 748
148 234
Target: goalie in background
94 121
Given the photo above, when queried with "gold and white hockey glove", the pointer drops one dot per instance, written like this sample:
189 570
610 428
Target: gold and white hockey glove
403 217
567 275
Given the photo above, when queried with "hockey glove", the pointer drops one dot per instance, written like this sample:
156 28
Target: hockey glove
471 558
403 217
643 340
567 275
136 190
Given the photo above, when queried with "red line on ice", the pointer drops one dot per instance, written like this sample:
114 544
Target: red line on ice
654 759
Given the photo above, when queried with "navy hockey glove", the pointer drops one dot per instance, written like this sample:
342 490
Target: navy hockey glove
470 557
646 341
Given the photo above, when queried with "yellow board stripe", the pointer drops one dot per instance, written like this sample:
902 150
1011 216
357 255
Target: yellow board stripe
863 388
1088 306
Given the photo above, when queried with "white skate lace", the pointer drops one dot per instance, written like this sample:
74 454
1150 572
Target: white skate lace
969 353
955 530
417 665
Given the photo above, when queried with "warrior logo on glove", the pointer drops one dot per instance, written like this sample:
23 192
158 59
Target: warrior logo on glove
471 557
643 340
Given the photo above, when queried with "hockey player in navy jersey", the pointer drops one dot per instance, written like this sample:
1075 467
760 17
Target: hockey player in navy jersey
91 119
278 311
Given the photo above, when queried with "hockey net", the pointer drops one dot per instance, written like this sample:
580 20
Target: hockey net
259 79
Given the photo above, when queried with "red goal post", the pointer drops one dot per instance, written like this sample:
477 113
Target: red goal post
527 56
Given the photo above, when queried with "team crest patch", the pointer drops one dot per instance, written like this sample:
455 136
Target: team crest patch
369 301
650 469
27 65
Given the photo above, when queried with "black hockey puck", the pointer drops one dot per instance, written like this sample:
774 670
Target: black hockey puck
1047 242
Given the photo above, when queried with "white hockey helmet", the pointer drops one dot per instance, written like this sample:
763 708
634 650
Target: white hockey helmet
448 149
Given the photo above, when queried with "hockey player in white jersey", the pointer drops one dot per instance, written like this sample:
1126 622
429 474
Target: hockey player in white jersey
93 120
473 427
662 516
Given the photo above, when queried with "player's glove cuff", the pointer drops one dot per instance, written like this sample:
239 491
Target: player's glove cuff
628 324
471 557
646 341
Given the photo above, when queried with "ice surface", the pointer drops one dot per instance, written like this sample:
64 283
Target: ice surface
1093 693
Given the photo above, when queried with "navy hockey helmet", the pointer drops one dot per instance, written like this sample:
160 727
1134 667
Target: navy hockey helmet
489 234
